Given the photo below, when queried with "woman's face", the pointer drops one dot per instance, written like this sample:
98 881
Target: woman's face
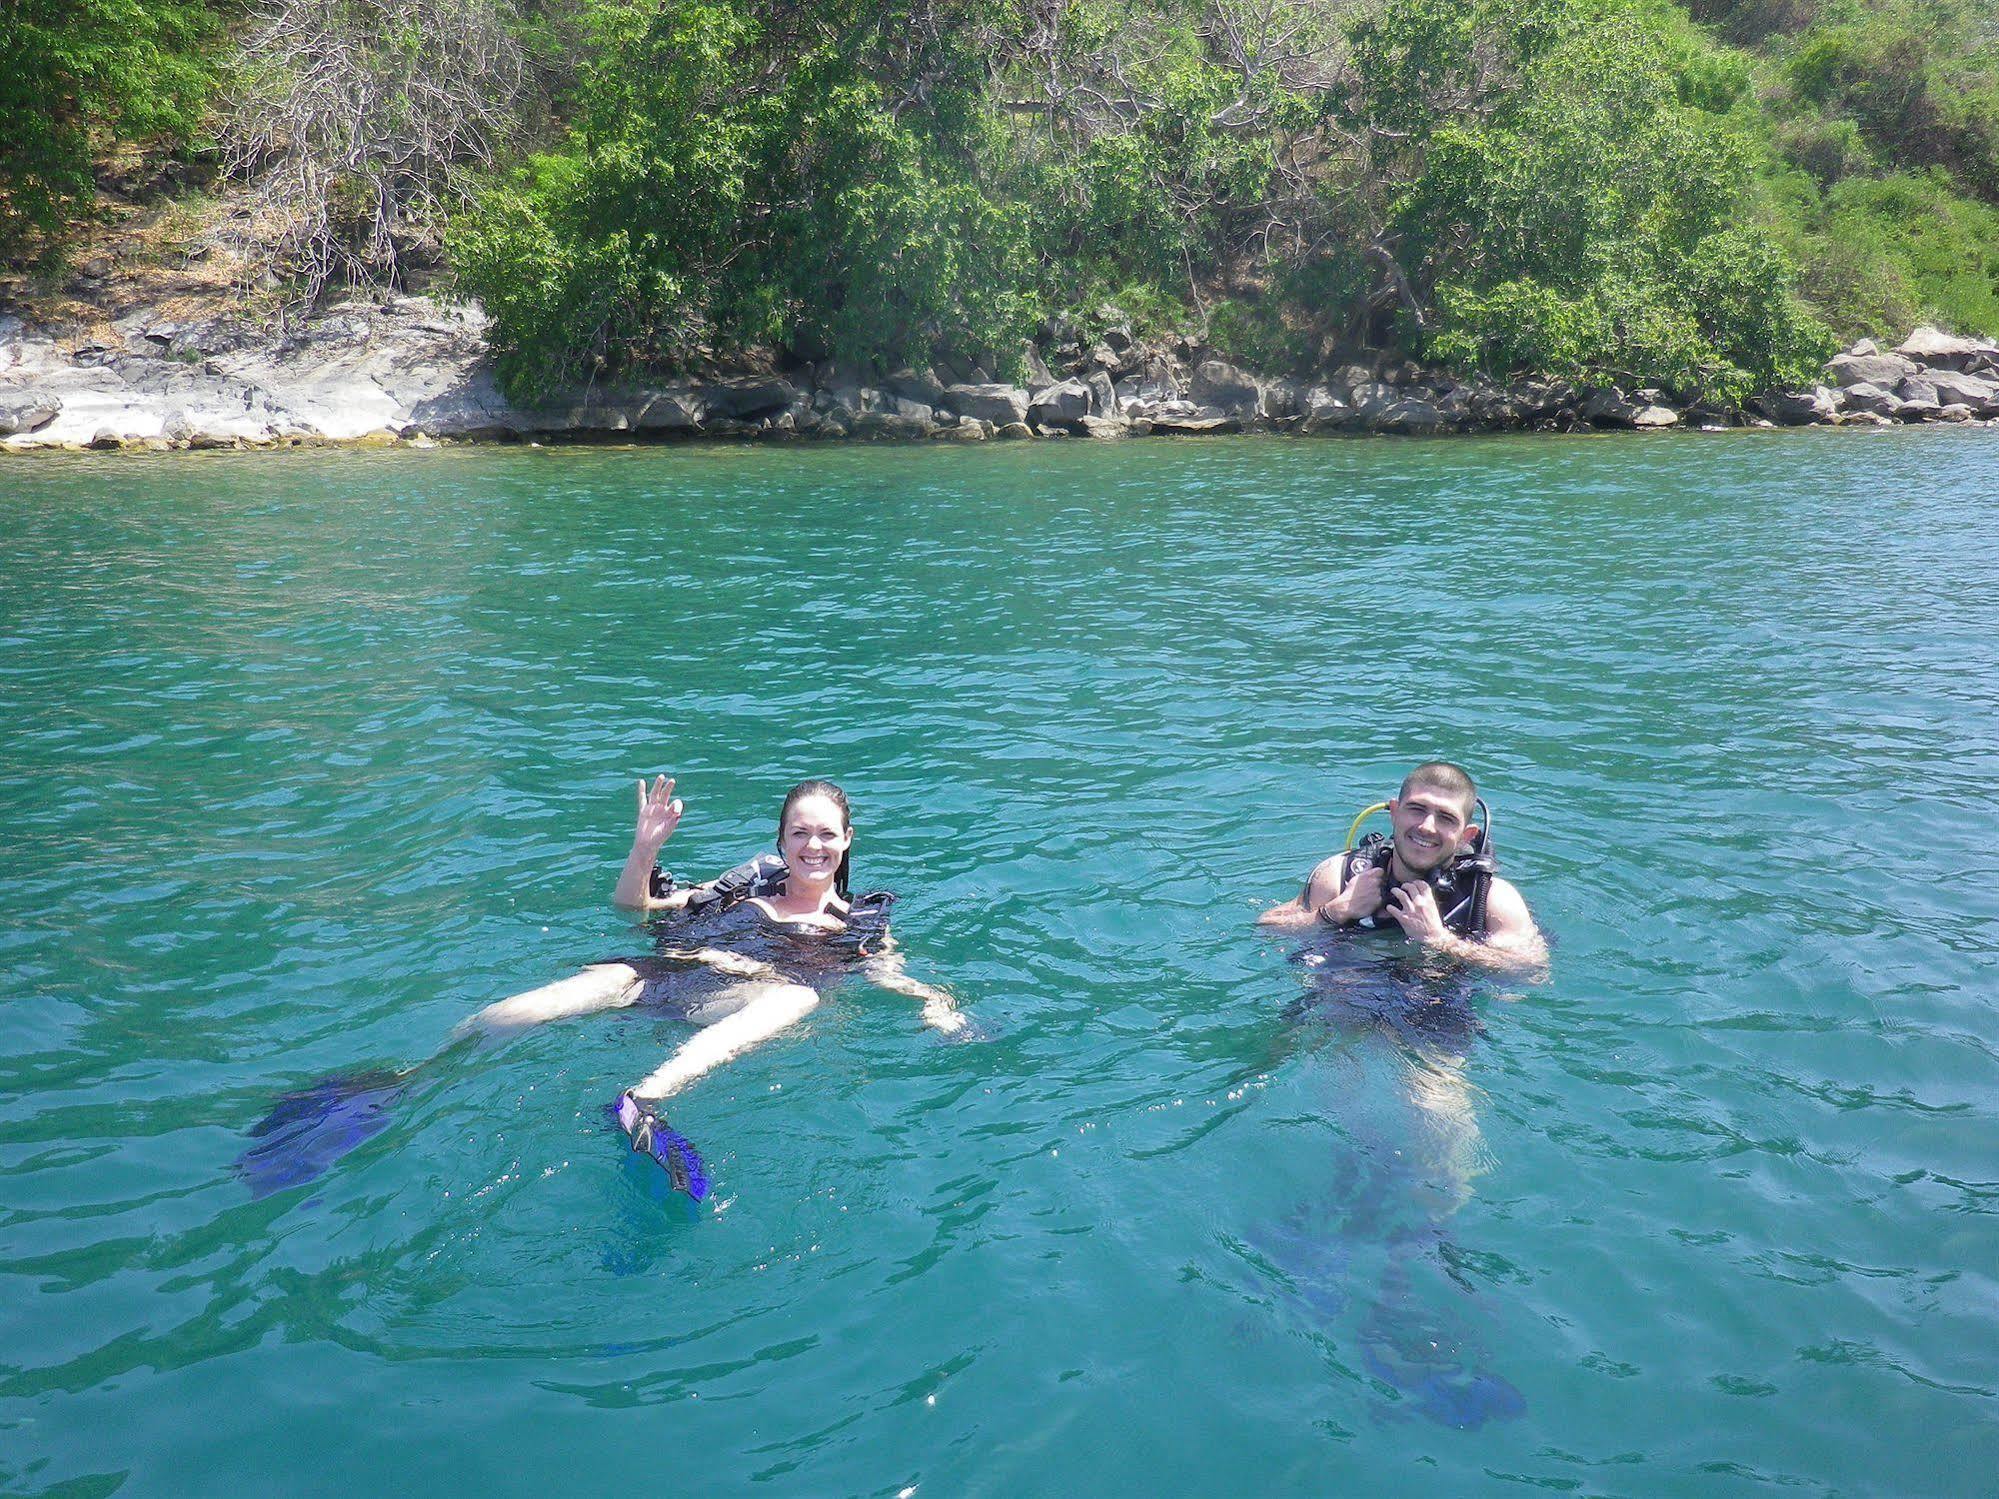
814 839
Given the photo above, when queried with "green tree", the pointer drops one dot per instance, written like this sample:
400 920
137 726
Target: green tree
813 175
1557 192
74 73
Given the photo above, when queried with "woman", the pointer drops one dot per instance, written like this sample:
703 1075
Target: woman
768 928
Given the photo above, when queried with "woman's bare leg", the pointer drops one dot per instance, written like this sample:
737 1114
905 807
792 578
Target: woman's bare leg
771 1007
601 986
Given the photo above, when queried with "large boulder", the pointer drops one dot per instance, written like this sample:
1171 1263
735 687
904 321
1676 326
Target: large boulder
27 411
1328 410
1799 408
1612 408
1414 411
665 411
921 386
1919 399
1544 398
1976 391
1870 400
741 399
1143 394
1371 397
1221 385
1103 394
1284 400
1187 418
1884 370
1061 405
1002 405
890 425
1932 346
1454 406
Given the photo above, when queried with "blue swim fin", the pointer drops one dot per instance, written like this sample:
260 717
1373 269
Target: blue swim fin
311 1128
653 1136
1441 1389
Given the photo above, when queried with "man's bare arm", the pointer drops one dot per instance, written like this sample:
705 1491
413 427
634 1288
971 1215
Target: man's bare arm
1512 941
1321 885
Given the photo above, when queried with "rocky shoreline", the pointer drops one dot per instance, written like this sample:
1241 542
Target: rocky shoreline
415 370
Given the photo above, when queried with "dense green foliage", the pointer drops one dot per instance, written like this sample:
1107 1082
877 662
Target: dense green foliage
752 175
1587 215
1697 194
1548 184
74 73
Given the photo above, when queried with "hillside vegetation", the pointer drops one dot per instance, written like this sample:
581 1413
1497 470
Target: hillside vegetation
1703 197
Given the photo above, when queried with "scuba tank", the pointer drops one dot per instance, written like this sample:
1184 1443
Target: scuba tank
1465 877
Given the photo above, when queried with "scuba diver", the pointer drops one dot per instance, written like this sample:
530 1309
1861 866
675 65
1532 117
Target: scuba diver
1433 883
1433 878
743 956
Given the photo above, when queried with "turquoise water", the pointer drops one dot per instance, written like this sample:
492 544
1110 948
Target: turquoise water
309 756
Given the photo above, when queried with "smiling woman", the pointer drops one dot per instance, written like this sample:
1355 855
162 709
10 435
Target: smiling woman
772 930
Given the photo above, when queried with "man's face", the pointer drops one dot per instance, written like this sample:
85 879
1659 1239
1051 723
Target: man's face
1430 826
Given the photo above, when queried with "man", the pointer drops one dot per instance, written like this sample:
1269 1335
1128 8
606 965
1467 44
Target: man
1394 884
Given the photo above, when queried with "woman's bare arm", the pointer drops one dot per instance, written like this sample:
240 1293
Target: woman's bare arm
940 1010
659 815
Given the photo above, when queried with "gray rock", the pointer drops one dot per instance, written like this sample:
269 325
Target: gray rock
1221 385
105 440
966 431
1607 407
1545 398
1956 412
737 400
1283 400
1865 346
1454 406
27 411
1976 391
1933 346
844 401
178 427
1869 399
1002 405
1104 427
1496 406
1654 418
921 386
1799 408
1328 410
1919 399
1012 431
1103 395
1186 418
1061 405
1884 370
890 426
912 411
1411 414
1372 397
665 411
1143 393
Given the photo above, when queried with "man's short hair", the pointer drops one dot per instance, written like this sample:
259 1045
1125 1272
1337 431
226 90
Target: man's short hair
1441 775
